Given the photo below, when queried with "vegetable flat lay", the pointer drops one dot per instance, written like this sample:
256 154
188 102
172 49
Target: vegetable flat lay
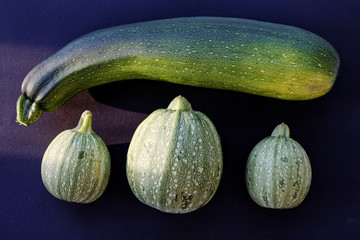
243 55
175 120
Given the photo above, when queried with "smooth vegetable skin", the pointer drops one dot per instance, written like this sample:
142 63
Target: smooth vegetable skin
76 164
174 161
249 56
278 171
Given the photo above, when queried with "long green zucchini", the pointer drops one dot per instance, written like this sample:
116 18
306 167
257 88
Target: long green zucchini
249 56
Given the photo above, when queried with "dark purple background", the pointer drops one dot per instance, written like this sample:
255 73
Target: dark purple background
327 127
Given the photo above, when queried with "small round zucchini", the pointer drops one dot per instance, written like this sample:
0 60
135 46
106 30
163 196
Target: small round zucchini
278 171
76 165
174 161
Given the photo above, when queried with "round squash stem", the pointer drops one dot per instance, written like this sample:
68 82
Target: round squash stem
180 103
84 125
281 130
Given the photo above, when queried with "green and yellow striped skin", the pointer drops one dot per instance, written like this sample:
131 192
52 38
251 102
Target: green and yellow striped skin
278 171
249 56
174 161
76 165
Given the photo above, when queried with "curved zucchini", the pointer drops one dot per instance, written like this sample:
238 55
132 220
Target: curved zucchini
249 56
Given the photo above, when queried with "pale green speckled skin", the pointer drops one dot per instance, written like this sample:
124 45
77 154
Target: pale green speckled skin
174 161
249 56
278 172
76 166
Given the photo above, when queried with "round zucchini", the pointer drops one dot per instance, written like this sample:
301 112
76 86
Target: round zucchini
278 171
76 164
174 161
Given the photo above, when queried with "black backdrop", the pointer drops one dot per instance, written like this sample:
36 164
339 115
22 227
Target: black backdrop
327 127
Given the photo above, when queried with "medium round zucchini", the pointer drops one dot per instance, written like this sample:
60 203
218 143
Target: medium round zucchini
174 161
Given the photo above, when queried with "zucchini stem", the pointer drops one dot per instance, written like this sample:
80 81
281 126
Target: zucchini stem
180 103
28 111
84 125
282 130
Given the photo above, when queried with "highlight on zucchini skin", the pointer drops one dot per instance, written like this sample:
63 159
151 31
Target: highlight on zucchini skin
255 57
